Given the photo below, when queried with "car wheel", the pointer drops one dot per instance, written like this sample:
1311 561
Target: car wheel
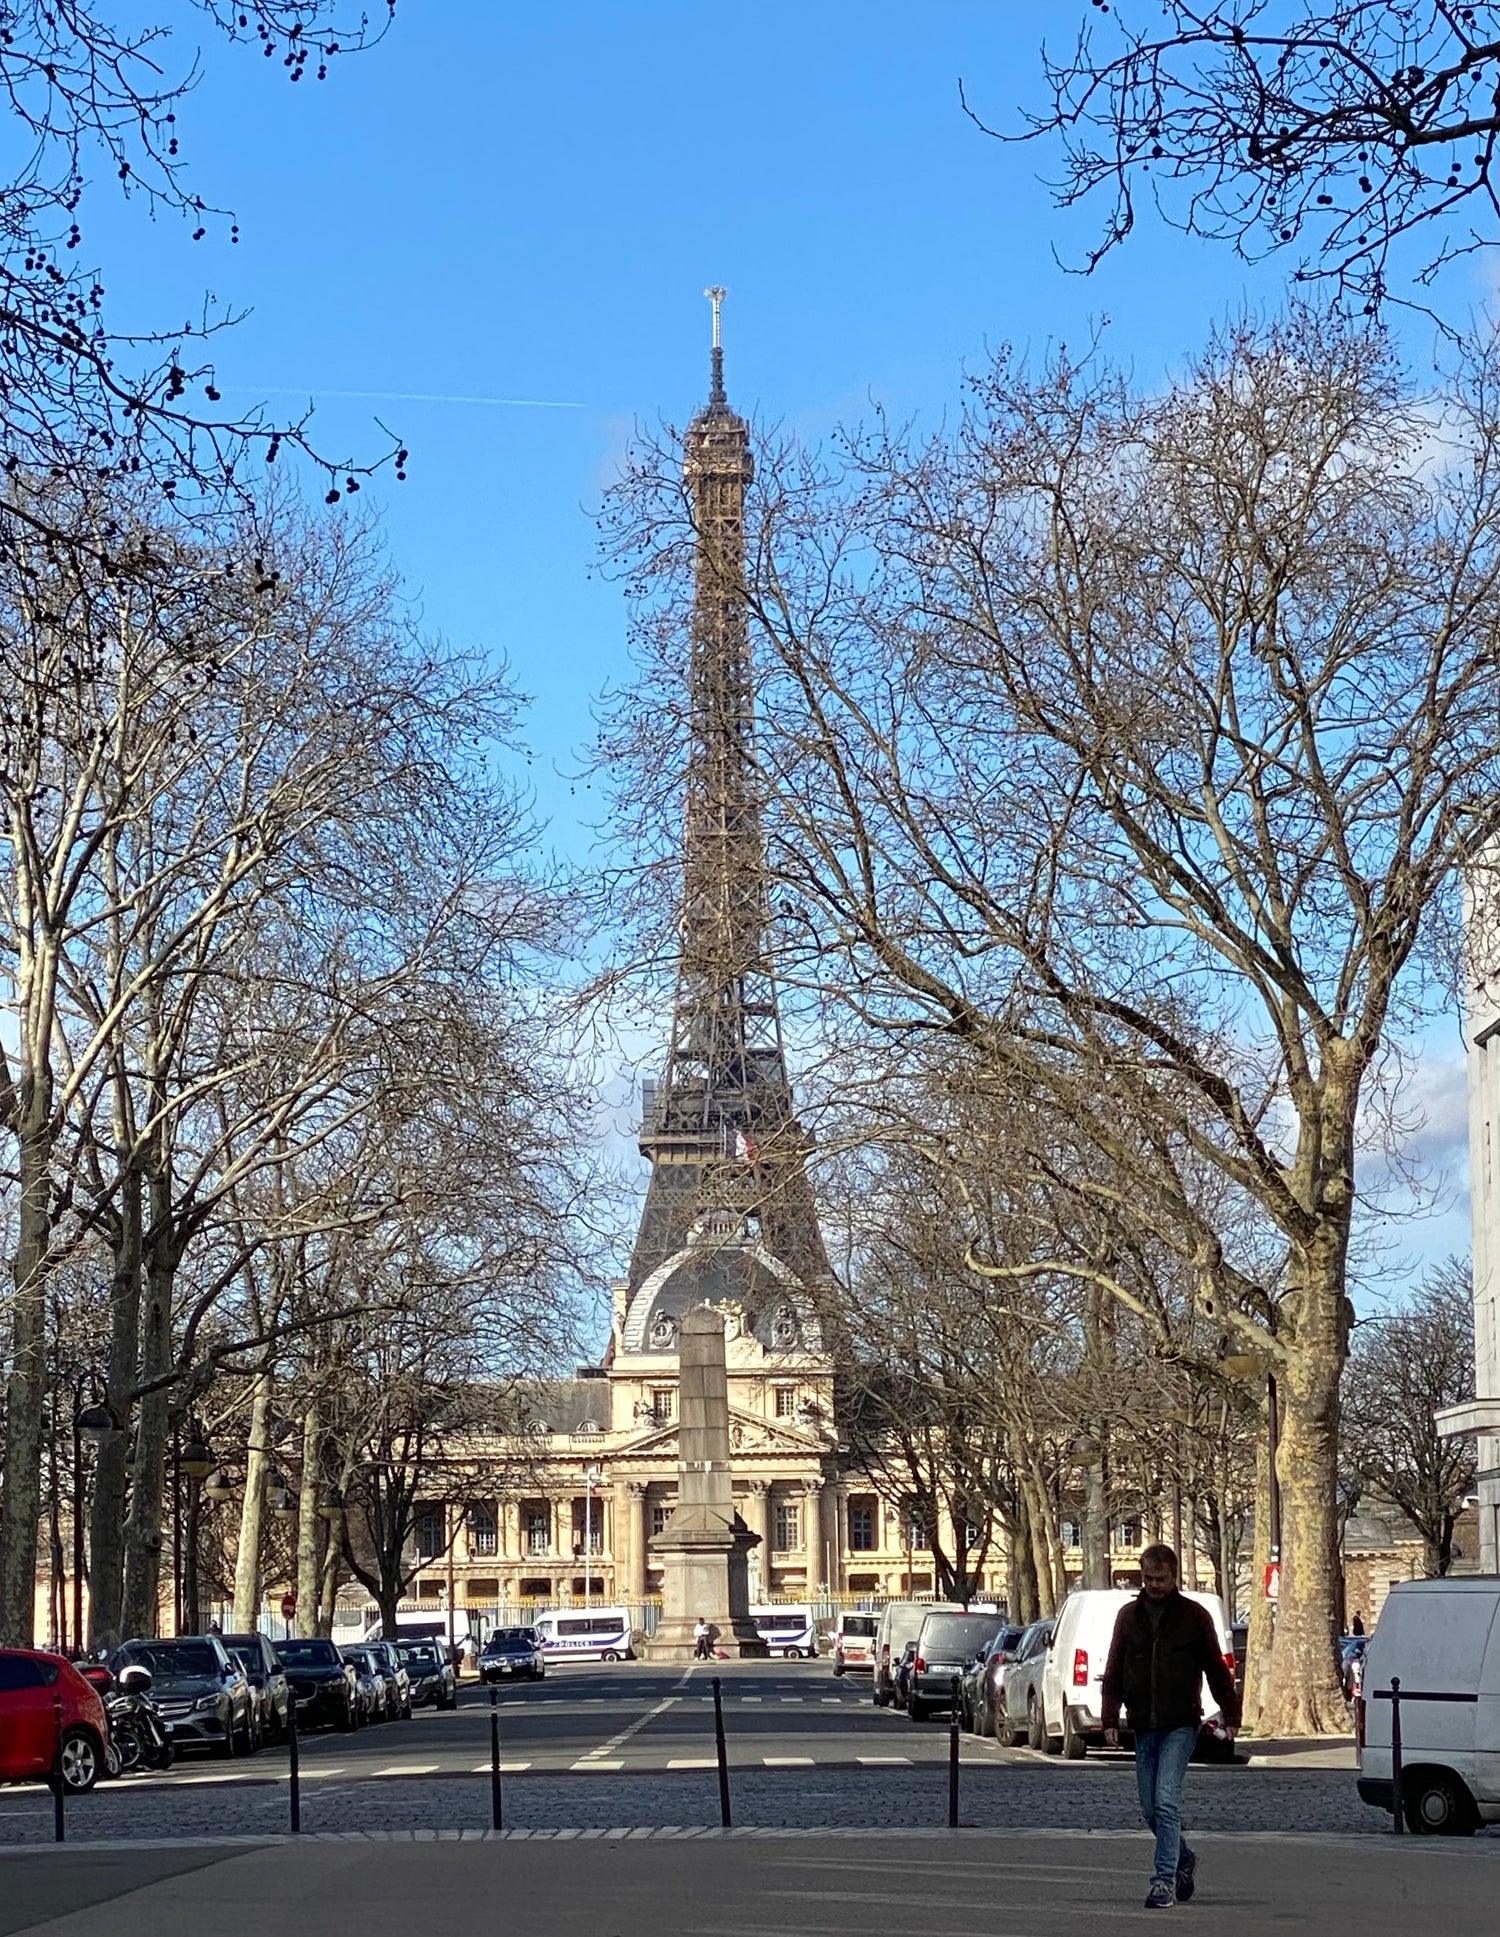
112 1760
228 1748
838 1668
1036 1733
1000 1723
881 1696
1074 1744
1435 1802
80 1761
350 1718
610 1654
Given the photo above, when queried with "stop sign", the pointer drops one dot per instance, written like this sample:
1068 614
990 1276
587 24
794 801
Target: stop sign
288 1606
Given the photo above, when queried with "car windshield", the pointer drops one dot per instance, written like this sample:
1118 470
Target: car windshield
952 1636
861 1624
248 1658
417 1654
308 1654
506 1638
174 1660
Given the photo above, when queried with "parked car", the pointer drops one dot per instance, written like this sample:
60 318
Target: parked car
945 1647
323 1684
510 1653
1018 1710
853 1642
268 1682
455 1645
1352 1663
900 1622
373 1690
430 1673
50 1718
976 1690
397 1681
1072 1680
1439 1637
201 1692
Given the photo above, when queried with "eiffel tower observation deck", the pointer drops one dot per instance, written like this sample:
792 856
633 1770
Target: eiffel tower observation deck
729 1217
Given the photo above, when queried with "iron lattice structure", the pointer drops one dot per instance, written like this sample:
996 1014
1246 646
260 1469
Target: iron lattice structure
728 1155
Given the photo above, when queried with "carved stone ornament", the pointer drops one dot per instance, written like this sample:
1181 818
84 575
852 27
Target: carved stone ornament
663 1332
784 1327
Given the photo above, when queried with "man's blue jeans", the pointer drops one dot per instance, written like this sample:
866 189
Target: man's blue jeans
1161 1760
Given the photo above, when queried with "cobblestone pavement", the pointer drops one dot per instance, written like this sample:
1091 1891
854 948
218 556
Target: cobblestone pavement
1009 1795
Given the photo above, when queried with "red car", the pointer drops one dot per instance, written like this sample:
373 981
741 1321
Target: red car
38 1693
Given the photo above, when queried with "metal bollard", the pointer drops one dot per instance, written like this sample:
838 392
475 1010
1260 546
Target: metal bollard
953 1760
497 1803
723 1755
59 1823
1398 1826
294 1767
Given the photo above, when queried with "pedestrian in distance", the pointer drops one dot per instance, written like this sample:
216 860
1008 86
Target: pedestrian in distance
1357 1625
1163 1648
703 1640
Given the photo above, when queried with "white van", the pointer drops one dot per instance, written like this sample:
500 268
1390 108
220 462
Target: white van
787 1631
1073 1678
599 1634
854 1642
1439 1638
900 1622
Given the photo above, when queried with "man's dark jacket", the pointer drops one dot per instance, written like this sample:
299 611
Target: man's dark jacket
1156 1670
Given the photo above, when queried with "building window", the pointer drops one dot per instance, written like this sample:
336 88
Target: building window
538 1529
788 1528
593 1586
864 1583
1068 1532
588 1526
1130 1533
661 1513
431 1539
972 1535
534 1588
430 1588
661 1405
484 1534
862 1523
786 1401
482 1593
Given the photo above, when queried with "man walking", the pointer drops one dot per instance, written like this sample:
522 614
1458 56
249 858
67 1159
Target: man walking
703 1639
1164 1646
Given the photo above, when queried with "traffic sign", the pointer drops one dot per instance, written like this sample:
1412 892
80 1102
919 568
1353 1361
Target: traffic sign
288 1606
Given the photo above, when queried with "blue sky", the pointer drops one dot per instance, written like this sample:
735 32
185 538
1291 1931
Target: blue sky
528 202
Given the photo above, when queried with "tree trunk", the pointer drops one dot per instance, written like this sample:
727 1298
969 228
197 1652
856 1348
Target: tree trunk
107 1517
328 1583
1305 1695
1023 1569
1095 1528
309 1524
1261 1639
143 1529
25 1391
247 1582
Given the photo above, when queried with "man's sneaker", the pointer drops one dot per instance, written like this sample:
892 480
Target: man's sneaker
1186 1870
1159 1896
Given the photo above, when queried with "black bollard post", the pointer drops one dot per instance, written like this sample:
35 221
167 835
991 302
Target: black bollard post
723 1755
1398 1825
497 1807
953 1760
293 1764
59 1823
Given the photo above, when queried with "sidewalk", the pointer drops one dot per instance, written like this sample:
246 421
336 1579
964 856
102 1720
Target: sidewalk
1300 1752
750 1884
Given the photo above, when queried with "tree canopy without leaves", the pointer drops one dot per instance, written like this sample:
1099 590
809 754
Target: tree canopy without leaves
1342 128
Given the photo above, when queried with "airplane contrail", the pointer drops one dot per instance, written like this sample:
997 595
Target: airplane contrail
402 396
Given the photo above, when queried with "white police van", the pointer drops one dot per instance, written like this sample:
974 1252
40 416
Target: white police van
595 1634
787 1630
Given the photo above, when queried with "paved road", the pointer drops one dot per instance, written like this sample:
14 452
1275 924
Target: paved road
753 1885
632 1745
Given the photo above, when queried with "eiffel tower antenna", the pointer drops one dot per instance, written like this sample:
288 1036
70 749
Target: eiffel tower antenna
729 1213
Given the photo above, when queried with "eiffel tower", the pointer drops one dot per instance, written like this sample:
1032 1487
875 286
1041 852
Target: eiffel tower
729 1216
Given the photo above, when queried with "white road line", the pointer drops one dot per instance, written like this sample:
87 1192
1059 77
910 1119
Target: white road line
687 1675
888 1761
747 1699
506 1768
411 1769
831 1701
791 1698
787 1761
590 1763
692 1762
618 1741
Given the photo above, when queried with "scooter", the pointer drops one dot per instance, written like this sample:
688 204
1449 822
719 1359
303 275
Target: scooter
138 1735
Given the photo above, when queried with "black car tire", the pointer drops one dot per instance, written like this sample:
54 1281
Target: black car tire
1000 1725
838 1669
228 1748
881 1696
610 1654
349 1721
1435 1802
1036 1732
1074 1743
80 1762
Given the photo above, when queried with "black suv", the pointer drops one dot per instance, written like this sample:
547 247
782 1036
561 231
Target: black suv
199 1690
322 1683
430 1672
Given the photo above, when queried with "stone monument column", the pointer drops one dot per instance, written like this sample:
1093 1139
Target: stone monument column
812 1535
704 1547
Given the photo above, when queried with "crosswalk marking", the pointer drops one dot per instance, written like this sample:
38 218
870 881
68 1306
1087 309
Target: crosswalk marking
506 1768
787 1761
884 1761
693 1762
412 1769
587 1764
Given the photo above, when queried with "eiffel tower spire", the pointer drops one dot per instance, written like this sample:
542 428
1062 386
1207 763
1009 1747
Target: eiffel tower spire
729 1214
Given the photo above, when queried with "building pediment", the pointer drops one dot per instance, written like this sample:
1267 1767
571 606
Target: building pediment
748 1434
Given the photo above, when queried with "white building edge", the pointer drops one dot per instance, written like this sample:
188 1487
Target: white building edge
1480 1415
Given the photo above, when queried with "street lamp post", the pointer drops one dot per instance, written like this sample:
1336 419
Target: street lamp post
195 1461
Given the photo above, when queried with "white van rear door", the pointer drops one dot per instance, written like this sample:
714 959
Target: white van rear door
1435 1643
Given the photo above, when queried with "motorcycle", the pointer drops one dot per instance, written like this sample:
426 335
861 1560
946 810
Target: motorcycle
138 1735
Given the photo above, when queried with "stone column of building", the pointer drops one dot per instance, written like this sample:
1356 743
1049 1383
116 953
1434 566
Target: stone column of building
812 1534
838 1494
633 1519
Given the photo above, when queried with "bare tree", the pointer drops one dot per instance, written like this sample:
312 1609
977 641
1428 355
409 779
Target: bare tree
1341 127
1403 1366
1135 742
